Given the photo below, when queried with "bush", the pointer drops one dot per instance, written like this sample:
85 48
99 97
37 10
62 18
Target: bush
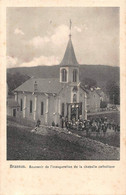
103 104
53 123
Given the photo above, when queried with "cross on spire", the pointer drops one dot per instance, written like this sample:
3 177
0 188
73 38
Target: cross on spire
70 27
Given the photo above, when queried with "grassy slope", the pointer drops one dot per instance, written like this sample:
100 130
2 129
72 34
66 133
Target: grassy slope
24 145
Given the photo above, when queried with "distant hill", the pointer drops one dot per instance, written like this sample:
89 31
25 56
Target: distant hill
99 73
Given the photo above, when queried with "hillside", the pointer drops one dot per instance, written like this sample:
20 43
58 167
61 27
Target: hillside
99 73
53 143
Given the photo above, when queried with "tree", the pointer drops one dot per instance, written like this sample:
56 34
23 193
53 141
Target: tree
89 82
103 104
113 90
14 80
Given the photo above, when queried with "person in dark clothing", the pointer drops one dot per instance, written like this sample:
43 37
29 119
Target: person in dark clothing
66 122
38 123
62 122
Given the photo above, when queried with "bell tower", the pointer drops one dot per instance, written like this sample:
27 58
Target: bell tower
69 67
74 103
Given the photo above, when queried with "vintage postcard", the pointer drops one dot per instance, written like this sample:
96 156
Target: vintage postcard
63 99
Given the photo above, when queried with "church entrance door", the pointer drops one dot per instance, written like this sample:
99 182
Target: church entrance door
14 112
74 112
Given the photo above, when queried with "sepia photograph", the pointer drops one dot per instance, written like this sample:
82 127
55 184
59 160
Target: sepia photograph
63 83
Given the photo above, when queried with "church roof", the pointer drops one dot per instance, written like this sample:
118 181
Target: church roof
47 85
69 58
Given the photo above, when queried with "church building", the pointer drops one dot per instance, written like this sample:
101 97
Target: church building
51 99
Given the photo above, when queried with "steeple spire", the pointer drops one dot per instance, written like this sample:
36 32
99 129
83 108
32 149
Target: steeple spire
69 58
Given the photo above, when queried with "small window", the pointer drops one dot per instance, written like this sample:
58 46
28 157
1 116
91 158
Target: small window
30 106
74 98
64 75
42 108
74 75
63 109
21 104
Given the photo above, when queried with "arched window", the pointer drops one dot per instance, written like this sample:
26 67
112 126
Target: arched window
30 106
74 75
42 108
21 104
74 98
64 75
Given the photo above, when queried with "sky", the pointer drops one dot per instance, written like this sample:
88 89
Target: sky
39 36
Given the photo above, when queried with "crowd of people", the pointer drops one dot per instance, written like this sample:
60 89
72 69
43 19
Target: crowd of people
93 125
